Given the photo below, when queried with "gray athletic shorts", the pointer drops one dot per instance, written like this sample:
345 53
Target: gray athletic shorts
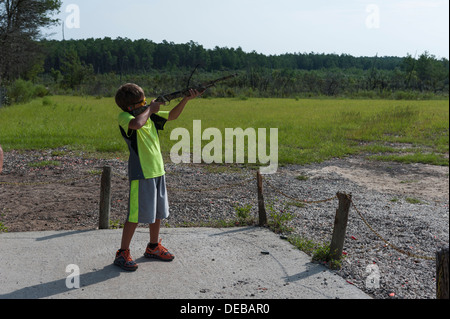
148 200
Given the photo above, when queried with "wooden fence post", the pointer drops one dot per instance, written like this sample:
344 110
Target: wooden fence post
261 208
340 226
1 157
442 269
105 198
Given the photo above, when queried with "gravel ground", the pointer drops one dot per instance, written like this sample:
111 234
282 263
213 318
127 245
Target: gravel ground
406 204
419 228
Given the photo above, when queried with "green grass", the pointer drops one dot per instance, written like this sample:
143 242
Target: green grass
320 252
431 158
413 200
309 131
3 228
83 124
44 164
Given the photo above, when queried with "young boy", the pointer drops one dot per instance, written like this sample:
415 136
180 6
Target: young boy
148 201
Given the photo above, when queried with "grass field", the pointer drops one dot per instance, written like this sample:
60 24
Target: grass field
310 130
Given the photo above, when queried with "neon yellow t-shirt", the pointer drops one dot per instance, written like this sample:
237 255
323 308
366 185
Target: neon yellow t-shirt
145 159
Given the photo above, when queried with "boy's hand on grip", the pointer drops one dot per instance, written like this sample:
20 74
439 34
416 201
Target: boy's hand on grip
155 106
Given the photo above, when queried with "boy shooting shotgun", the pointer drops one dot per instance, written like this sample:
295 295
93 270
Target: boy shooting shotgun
139 124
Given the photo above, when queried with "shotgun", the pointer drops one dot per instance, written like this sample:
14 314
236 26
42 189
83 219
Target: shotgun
166 98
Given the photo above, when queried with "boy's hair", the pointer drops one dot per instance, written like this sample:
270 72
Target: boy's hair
129 94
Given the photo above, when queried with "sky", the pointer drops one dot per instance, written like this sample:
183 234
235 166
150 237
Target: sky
271 27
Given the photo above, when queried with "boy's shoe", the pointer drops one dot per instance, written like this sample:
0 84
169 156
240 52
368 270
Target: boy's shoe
125 261
160 252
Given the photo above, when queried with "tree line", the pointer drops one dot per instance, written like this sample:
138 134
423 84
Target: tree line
99 65
125 56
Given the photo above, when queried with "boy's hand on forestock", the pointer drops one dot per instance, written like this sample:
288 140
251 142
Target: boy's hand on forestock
193 94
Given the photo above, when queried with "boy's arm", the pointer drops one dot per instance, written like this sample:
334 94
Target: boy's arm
140 120
177 110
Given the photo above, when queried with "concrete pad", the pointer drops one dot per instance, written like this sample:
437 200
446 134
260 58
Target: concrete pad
210 263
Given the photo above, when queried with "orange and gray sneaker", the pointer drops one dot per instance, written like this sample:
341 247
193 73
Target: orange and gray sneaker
125 261
158 252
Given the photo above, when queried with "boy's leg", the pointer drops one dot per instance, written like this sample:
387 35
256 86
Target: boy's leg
127 234
123 257
154 231
133 214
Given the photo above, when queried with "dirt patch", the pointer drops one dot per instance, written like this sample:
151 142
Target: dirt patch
45 191
416 180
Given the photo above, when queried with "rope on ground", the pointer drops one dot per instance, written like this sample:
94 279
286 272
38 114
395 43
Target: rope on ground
402 251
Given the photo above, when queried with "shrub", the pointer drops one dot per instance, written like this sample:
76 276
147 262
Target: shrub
21 91
40 91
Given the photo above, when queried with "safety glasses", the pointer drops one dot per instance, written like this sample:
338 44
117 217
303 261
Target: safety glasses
138 104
